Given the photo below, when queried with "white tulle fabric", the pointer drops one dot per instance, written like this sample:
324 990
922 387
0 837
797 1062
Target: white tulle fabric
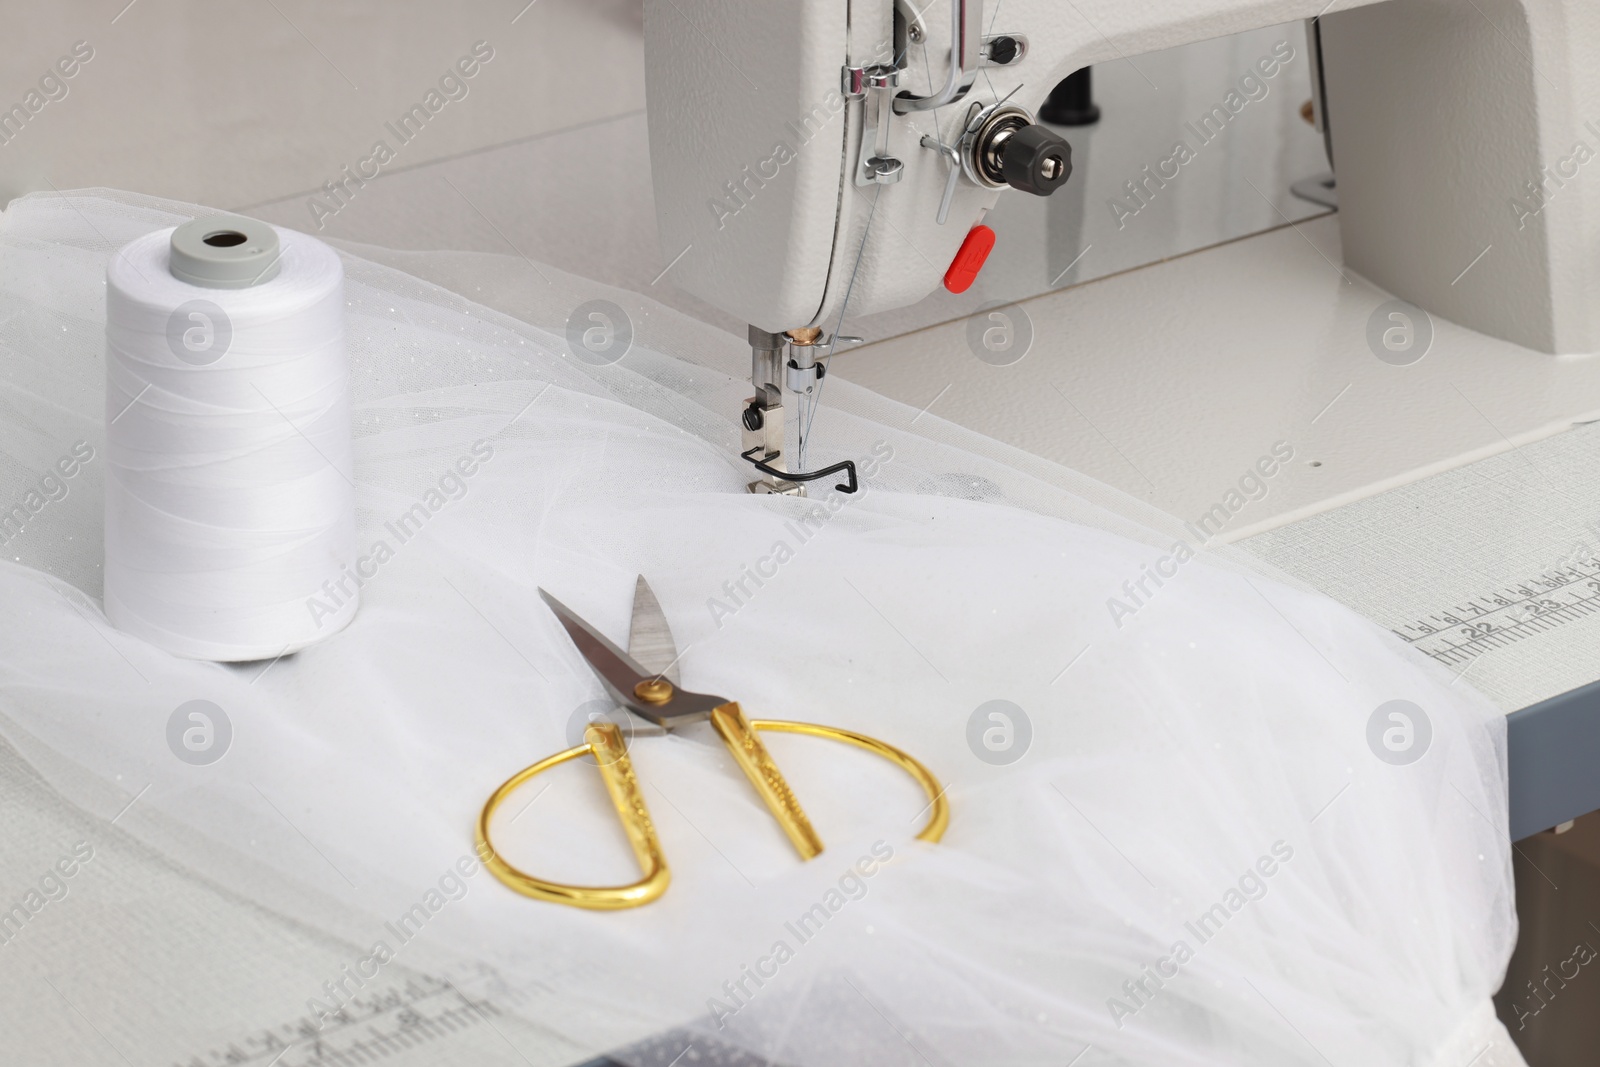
1208 758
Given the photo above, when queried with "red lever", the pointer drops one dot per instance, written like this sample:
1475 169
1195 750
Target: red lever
970 257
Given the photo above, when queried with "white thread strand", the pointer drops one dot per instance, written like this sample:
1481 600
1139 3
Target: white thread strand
230 493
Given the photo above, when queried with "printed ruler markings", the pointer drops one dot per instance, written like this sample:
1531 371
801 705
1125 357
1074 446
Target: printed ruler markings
1495 620
366 1030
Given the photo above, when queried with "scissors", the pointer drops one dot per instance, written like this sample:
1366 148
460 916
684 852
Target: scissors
645 683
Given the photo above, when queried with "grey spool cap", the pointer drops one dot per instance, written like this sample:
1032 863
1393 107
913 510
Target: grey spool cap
225 252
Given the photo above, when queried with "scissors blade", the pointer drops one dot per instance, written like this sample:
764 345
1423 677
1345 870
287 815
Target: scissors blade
619 673
649 637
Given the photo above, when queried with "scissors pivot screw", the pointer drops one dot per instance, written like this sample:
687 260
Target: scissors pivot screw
654 691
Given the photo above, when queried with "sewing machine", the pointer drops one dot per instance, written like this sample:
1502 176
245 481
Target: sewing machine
855 162
818 158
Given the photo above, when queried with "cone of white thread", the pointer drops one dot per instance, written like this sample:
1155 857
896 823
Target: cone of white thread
230 494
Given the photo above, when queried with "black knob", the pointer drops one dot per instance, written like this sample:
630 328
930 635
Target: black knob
753 419
1036 160
1071 102
1003 50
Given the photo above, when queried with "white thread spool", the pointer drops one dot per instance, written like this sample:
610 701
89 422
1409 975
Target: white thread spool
230 496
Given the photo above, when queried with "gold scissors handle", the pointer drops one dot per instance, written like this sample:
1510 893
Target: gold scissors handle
739 734
938 807
604 740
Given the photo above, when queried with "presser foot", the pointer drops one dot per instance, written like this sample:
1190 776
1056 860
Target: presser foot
761 422
777 487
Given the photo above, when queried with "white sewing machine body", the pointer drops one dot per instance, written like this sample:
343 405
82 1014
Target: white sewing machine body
1441 121
1459 130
